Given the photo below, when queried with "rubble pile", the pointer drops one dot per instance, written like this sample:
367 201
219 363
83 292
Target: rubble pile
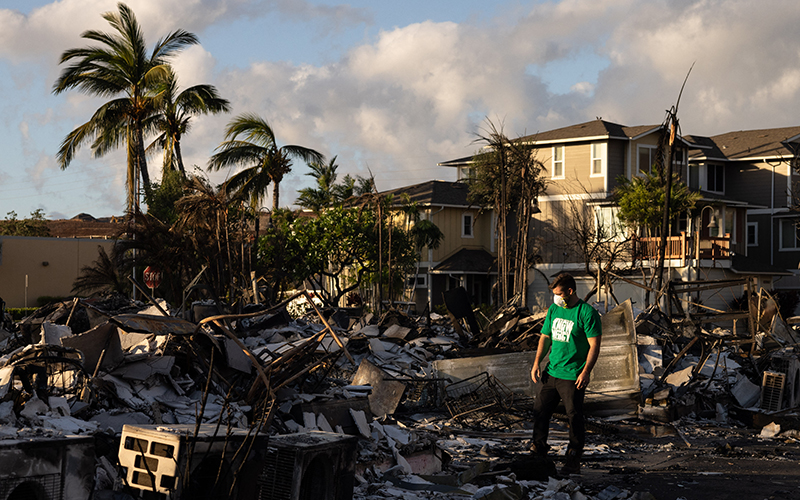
441 407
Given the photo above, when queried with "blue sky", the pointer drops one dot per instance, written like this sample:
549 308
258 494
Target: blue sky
393 88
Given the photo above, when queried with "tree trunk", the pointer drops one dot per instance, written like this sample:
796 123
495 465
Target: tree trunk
141 160
179 156
662 246
132 178
276 193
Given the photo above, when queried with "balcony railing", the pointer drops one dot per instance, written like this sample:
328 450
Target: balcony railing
681 247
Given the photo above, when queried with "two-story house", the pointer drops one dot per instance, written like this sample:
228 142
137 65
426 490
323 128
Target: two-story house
466 253
756 167
741 226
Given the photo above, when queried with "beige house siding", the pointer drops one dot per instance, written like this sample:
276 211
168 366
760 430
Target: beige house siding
577 171
649 141
549 230
616 165
50 264
753 182
450 222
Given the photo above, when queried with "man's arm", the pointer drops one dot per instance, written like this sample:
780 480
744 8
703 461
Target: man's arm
541 351
591 359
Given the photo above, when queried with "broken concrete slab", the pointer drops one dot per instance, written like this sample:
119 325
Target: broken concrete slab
52 333
370 331
142 370
102 340
115 421
335 411
397 332
680 378
385 395
323 424
135 343
236 358
159 325
360 420
513 370
745 392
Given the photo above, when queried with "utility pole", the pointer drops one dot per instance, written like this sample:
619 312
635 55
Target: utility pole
672 124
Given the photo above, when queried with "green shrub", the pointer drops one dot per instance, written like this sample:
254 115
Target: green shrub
17 313
46 299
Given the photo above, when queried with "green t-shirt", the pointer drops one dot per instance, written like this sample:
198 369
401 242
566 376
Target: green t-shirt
568 329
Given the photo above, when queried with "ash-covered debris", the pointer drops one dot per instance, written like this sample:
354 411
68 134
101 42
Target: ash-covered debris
440 406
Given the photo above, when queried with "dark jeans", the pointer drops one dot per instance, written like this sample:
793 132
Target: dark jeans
553 390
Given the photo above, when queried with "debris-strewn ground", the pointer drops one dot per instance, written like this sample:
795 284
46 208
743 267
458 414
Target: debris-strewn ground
708 423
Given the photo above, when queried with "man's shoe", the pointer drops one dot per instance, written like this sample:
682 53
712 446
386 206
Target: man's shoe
538 450
572 464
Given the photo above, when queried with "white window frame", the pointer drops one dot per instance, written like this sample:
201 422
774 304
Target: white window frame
782 248
464 225
597 153
420 280
754 225
617 228
467 173
651 150
556 163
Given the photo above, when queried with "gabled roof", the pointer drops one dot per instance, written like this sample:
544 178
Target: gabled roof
447 193
467 261
750 144
582 131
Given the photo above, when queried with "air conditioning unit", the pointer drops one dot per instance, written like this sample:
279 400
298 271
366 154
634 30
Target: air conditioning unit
311 465
155 457
47 468
788 363
772 385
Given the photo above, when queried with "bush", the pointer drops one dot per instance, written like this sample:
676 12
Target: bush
46 299
17 313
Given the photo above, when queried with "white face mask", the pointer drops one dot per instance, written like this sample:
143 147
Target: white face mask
559 301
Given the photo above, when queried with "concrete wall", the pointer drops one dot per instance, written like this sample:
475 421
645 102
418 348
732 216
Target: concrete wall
50 264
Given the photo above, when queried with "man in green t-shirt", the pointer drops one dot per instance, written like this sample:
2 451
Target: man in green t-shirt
573 328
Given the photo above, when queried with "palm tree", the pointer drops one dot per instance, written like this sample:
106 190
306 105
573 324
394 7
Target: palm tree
119 68
102 276
265 162
327 191
175 111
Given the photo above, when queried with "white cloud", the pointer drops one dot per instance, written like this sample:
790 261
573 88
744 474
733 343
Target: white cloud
415 94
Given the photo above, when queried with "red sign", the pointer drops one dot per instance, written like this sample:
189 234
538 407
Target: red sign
152 277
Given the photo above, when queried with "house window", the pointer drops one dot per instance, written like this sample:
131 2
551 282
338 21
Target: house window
752 234
647 158
694 177
715 178
607 225
598 152
789 235
558 162
679 224
467 173
417 281
466 226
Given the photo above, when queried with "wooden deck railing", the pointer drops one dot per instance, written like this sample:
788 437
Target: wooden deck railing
680 247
